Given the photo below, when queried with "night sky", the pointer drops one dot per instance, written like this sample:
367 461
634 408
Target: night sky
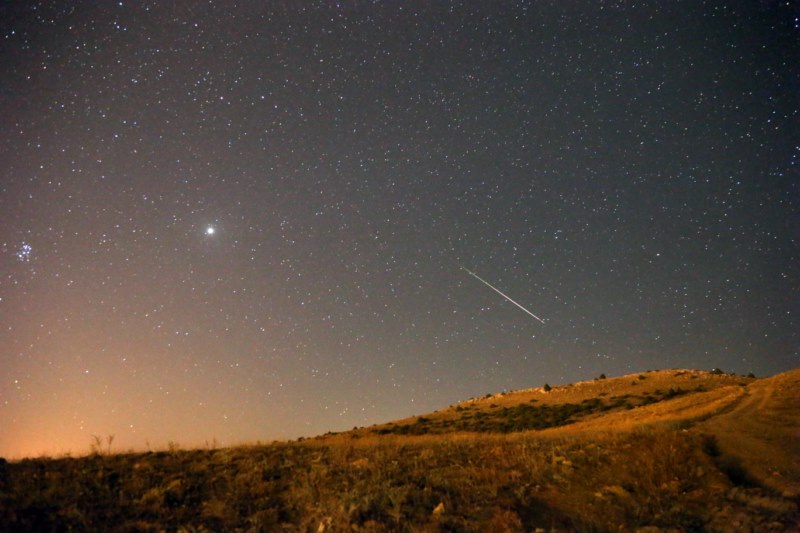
241 222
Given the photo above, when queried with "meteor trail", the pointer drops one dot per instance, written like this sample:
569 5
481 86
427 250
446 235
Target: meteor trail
498 291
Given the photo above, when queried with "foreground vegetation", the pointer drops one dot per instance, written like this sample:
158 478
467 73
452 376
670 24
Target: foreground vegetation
668 476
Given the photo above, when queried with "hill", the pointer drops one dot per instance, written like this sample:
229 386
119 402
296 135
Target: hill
674 450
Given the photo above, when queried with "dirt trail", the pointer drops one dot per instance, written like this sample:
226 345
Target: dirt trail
757 424
762 429
686 410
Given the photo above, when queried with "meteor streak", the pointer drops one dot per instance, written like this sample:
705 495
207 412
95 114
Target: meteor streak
498 291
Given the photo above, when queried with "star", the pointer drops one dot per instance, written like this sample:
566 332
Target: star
24 253
210 230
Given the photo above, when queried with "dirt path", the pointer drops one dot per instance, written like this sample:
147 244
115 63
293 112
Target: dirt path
757 424
762 429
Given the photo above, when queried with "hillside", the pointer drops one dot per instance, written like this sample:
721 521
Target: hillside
675 450
565 405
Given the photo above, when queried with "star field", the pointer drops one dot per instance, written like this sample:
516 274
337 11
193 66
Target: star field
242 221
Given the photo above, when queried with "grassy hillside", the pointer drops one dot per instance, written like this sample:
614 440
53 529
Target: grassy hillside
673 450
561 406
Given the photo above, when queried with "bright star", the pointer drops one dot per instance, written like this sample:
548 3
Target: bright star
210 230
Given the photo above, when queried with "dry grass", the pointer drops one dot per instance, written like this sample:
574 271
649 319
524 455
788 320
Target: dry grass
670 472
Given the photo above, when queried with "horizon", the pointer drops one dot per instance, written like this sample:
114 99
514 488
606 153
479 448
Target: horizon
103 447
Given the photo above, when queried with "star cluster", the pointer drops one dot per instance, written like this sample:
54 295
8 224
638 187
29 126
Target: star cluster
242 221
